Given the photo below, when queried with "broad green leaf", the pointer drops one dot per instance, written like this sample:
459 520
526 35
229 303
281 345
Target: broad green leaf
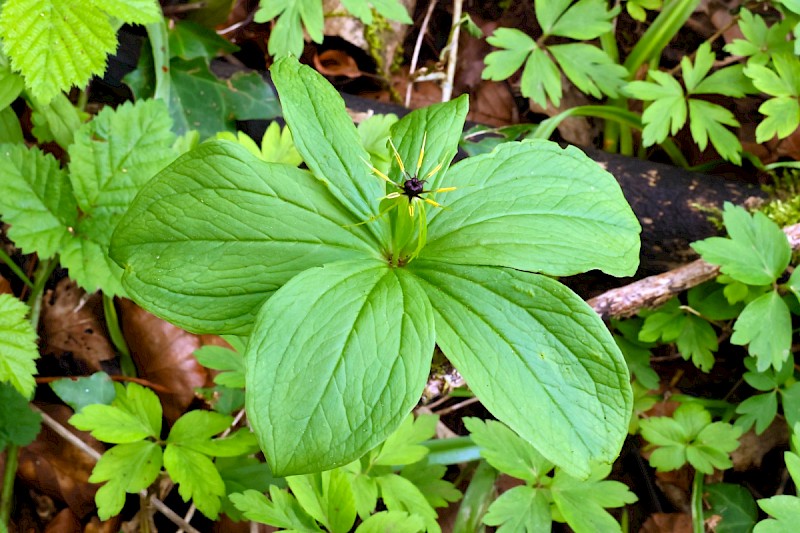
709 300
708 121
11 84
533 206
790 399
399 494
516 46
127 468
83 391
506 451
17 345
582 503
712 447
229 362
133 11
37 200
325 136
197 478
367 332
374 133
193 259
188 40
757 251
393 521
19 424
403 446
734 504
281 510
770 346
521 509
110 423
440 126
391 9
326 496
195 429
590 69
538 357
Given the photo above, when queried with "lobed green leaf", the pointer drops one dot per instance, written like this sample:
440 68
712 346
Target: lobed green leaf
18 346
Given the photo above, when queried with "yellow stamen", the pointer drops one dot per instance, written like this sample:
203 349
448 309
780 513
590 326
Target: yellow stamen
434 204
392 195
397 157
445 189
436 169
422 151
411 208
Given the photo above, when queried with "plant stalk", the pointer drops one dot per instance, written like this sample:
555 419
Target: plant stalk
7 497
4 257
115 332
698 524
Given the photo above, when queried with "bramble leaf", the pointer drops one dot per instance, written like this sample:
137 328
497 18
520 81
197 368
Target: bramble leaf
757 251
66 43
37 200
17 345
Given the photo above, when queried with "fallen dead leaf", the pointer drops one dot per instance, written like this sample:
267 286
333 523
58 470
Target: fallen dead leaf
73 323
163 354
5 286
668 523
492 104
752 448
53 467
336 63
64 522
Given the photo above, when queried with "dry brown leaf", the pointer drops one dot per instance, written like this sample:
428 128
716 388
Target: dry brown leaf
5 286
668 523
752 448
493 104
163 354
73 323
336 63
574 130
96 526
64 522
52 466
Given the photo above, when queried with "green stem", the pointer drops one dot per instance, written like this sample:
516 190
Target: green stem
698 524
7 497
41 275
4 257
114 331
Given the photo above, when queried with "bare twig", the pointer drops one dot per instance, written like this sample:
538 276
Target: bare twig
417 47
447 86
654 291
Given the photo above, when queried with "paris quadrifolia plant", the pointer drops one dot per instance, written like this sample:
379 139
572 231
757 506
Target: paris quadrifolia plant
343 279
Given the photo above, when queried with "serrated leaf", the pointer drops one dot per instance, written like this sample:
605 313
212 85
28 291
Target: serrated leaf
83 391
708 121
666 114
399 494
563 204
403 446
37 200
760 41
19 424
428 479
759 409
58 120
286 37
782 118
734 504
582 503
548 358
392 521
277 146
196 477
10 130
228 362
583 20
709 300
240 474
516 46
195 431
757 251
729 81
17 345
282 511
11 84
695 71
328 497
590 69
115 424
770 346
521 509
782 111
541 80
127 468
181 227
785 509
698 342
506 451
370 347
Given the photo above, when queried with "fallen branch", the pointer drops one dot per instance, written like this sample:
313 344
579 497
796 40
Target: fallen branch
654 291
